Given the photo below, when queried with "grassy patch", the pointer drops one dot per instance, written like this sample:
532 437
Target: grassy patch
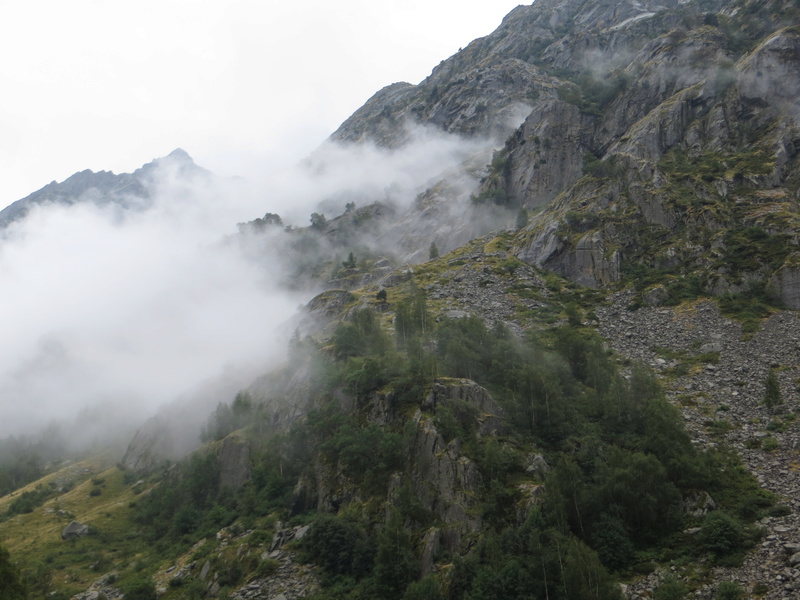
71 565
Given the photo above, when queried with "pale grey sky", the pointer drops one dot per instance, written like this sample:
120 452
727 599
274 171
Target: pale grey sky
242 85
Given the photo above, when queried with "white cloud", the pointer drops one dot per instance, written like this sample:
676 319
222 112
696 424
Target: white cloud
137 310
120 311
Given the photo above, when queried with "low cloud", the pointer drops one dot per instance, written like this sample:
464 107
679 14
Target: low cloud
129 312
112 313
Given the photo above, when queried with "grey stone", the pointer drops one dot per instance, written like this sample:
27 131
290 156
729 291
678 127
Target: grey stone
74 530
234 462
204 570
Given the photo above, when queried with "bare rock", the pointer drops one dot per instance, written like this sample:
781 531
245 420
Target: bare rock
234 462
74 530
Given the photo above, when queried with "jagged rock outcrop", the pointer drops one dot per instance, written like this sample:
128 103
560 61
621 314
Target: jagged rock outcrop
489 415
740 133
777 59
443 480
785 285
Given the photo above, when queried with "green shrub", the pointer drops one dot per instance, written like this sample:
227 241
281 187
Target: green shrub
721 533
671 588
728 590
781 510
772 391
267 568
768 444
27 502
258 538
140 589
425 589
340 546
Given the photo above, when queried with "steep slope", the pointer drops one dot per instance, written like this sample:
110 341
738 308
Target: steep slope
495 78
651 128
478 426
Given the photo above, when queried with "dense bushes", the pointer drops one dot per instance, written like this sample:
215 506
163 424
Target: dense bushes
621 458
620 464
366 455
140 589
532 561
27 502
379 560
12 586
187 502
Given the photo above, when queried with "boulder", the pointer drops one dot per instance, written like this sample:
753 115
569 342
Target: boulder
536 466
74 530
697 504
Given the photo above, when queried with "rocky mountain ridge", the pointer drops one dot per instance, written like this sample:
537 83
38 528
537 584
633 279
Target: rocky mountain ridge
104 188
614 93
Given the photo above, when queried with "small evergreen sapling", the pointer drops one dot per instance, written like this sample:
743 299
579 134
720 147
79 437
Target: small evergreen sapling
772 391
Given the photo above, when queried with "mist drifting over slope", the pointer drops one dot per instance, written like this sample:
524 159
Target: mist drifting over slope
112 312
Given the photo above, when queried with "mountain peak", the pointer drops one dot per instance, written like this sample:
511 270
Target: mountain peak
181 154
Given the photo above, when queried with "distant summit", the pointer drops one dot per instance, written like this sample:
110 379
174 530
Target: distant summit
180 153
127 190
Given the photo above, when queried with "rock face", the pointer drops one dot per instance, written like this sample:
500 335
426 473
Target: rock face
785 285
648 130
489 415
488 85
150 446
234 462
445 482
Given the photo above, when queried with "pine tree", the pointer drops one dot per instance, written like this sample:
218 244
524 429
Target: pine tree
318 220
433 251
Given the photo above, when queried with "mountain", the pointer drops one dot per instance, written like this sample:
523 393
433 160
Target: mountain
653 130
587 390
126 190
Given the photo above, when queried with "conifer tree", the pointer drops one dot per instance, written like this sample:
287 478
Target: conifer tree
350 263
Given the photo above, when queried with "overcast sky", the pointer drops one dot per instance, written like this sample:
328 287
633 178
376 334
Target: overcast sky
242 85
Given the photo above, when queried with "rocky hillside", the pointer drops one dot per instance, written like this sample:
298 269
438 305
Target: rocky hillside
597 402
658 135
